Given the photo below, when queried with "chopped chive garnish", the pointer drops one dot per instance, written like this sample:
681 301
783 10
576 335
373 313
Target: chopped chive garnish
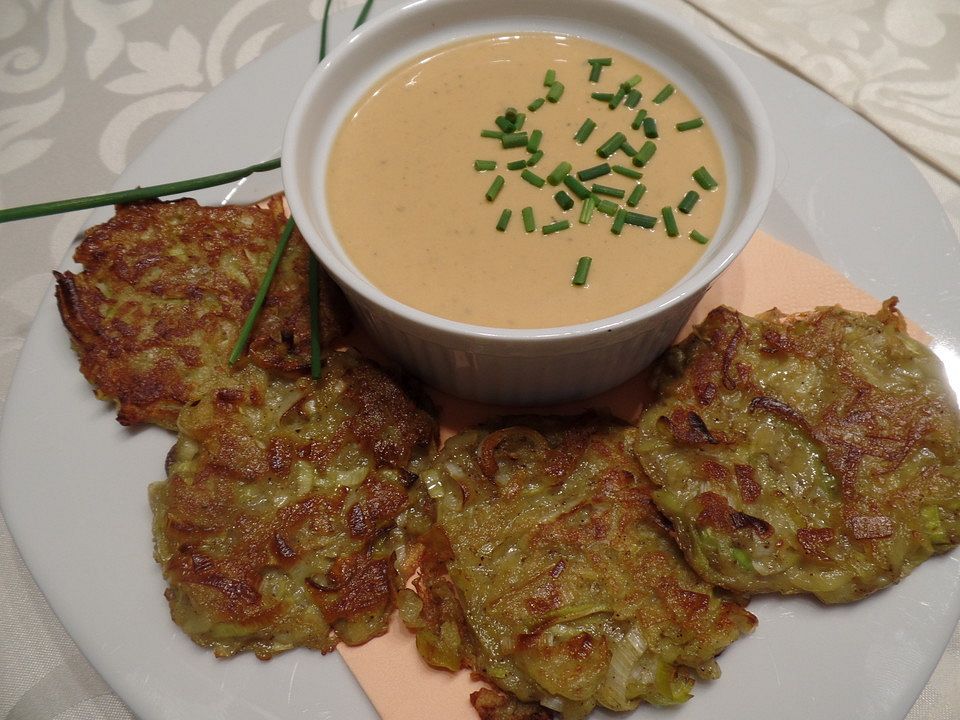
617 98
496 134
555 92
641 220
484 164
532 178
535 158
664 94
631 82
596 171
704 178
628 149
536 104
511 114
150 192
519 121
586 212
555 227
633 98
559 172
504 219
688 201
596 67
602 96
690 124
261 295
583 268
637 193
516 165
550 78
529 224
699 237
577 187
670 222
533 142
650 127
619 218
607 190
638 120
627 172
607 207
584 132
563 200
513 140
504 123
611 145
644 154
495 187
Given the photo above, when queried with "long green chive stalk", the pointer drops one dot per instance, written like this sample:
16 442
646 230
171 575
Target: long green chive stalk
362 17
313 266
261 293
151 192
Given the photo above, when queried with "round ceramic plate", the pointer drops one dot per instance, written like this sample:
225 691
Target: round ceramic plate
73 482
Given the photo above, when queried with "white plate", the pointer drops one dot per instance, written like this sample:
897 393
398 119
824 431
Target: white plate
73 482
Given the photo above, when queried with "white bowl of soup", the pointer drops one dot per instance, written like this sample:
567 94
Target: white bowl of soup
524 200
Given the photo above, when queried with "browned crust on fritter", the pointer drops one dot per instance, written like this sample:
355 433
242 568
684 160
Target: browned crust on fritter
812 443
493 705
165 289
326 542
547 552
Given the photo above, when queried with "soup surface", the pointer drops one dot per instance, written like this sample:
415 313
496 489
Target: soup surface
413 214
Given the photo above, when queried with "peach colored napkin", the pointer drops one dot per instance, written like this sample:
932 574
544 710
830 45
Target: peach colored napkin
767 274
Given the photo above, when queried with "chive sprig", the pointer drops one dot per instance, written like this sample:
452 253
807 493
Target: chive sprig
121 197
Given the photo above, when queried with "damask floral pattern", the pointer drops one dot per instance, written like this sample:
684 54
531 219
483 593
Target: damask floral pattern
897 62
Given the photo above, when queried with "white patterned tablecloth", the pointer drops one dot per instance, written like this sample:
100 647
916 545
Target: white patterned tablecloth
86 84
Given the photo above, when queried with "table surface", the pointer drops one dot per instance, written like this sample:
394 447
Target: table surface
86 85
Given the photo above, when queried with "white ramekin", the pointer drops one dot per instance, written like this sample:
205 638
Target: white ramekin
535 366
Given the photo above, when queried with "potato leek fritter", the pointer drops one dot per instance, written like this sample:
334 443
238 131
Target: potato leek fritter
165 289
278 521
551 574
815 453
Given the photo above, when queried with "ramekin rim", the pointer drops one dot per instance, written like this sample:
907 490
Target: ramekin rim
734 242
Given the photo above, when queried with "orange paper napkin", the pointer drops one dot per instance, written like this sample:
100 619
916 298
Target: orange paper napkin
767 274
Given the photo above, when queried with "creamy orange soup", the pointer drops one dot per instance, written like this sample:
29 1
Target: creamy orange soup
411 210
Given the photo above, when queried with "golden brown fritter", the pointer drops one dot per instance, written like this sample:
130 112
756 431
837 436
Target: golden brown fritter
165 289
814 453
552 575
282 510
493 705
